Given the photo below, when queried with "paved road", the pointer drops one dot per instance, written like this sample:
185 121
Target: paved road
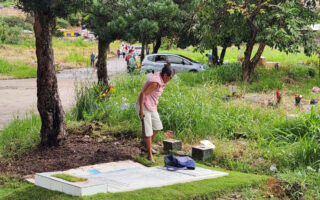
19 96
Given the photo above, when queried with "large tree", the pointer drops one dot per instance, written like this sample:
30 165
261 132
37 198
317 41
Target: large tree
142 24
161 13
166 13
106 18
49 103
218 28
144 30
281 24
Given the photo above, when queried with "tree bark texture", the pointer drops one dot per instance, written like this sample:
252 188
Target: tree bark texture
222 54
49 103
147 49
247 64
248 67
102 62
157 46
215 58
142 51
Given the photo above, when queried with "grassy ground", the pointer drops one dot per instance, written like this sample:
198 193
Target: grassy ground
18 190
192 106
70 178
20 60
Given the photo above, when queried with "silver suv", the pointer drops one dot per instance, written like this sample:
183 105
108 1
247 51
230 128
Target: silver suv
155 62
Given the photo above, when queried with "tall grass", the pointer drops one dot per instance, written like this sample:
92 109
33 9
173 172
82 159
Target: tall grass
191 107
20 135
75 56
67 43
233 53
17 69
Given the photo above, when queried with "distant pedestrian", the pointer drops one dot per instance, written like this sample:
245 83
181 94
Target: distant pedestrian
210 59
118 53
131 62
123 54
92 58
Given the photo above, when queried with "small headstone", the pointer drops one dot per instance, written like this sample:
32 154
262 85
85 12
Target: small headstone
201 153
271 65
232 89
171 144
262 61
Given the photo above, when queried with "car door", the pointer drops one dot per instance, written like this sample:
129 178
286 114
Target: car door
159 62
176 63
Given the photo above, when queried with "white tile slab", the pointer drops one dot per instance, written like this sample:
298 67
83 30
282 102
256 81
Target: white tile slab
120 177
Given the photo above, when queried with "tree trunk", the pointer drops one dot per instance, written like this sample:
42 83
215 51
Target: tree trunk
108 49
169 46
142 51
247 71
102 62
215 58
49 103
247 65
147 49
223 53
157 46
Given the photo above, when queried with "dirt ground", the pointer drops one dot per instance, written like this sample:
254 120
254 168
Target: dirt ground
77 150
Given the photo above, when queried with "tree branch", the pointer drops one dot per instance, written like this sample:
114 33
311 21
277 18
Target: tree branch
257 56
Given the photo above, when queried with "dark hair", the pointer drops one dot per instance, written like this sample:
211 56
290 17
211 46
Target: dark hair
168 70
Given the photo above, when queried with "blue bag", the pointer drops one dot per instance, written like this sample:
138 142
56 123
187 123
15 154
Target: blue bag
176 163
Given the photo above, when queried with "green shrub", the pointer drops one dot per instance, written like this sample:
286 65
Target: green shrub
229 73
86 95
220 74
62 23
18 22
300 72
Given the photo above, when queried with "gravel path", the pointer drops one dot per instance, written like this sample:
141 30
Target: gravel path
19 96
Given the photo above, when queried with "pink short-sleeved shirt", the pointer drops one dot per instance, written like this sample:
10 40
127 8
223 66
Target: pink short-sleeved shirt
151 100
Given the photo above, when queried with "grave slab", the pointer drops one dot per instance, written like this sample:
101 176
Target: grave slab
120 177
172 144
201 152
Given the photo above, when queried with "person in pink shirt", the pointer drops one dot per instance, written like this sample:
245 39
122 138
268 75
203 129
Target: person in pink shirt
149 99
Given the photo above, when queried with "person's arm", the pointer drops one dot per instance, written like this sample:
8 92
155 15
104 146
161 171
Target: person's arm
151 87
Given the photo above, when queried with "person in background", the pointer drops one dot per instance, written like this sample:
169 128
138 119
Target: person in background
131 62
210 59
92 58
147 103
118 53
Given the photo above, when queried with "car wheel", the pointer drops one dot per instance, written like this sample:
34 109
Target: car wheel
193 70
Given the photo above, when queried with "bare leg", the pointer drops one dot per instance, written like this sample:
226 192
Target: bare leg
154 134
149 143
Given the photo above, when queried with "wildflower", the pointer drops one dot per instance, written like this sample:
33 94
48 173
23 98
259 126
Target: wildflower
112 90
